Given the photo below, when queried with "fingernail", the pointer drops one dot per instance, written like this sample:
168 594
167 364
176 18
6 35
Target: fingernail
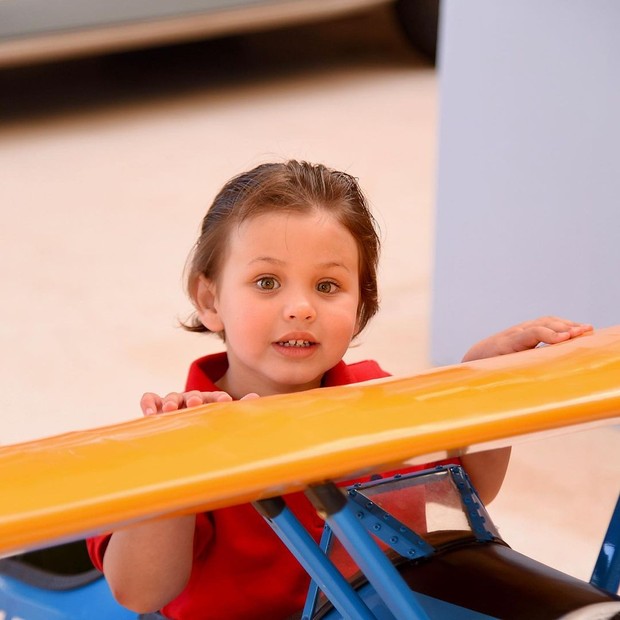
149 411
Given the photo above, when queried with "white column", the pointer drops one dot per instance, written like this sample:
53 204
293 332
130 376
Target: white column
528 200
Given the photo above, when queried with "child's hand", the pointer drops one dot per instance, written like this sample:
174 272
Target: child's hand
546 329
152 404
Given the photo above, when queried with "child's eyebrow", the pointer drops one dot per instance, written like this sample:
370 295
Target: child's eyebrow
266 259
334 264
279 262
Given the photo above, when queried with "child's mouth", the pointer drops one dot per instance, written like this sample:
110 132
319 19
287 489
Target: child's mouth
295 343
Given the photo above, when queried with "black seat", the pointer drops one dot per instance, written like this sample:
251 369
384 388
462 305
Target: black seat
61 567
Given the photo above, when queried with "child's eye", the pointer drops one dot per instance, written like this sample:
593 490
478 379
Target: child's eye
327 287
267 284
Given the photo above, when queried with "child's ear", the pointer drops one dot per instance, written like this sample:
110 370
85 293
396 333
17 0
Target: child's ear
206 304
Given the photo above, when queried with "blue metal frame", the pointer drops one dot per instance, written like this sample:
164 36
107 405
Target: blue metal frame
355 520
388 529
313 590
377 568
606 573
316 564
471 503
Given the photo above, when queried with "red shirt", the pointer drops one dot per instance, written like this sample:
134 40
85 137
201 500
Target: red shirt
241 569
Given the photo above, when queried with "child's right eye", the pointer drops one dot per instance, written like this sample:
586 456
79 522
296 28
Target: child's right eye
267 284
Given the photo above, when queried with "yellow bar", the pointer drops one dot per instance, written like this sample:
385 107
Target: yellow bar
61 488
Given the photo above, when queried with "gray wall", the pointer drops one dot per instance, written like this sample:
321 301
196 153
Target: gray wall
528 198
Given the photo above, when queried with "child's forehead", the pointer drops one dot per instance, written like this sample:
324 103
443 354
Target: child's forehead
280 223
292 232
296 216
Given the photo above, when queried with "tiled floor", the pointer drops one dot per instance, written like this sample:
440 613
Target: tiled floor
107 166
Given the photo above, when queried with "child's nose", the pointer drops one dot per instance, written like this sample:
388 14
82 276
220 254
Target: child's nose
301 309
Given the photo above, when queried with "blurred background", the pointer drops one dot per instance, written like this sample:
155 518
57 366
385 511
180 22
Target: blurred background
109 158
110 162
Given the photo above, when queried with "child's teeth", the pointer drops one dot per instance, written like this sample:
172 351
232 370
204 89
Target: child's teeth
296 343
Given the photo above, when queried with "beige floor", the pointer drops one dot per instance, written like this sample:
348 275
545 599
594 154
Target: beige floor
107 166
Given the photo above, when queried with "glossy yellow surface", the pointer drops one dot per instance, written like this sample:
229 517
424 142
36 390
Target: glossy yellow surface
76 484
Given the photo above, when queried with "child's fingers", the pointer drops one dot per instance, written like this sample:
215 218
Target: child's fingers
192 399
573 328
196 398
250 396
580 328
217 397
547 335
527 335
172 402
150 403
553 332
531 337
559 324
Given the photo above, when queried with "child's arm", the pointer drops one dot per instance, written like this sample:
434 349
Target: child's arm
488 469
148 565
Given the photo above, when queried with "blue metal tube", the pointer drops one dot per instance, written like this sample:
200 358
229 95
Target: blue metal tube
313 590
606 574
379 571
319 567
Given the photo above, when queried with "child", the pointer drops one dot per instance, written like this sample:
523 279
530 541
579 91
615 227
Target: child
285 272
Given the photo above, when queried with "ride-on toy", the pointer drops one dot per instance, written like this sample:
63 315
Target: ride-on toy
379 557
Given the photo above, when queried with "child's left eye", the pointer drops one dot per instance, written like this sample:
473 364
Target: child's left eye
327 287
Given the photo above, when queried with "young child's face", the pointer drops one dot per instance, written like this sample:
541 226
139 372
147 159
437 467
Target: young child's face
287 299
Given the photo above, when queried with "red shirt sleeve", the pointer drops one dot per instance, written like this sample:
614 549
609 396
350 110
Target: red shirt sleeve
96 549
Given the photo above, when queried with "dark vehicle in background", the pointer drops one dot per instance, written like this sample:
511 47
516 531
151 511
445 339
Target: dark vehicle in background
33 31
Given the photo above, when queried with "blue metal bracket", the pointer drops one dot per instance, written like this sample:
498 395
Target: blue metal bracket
471 504
606 573
380 572
389 529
